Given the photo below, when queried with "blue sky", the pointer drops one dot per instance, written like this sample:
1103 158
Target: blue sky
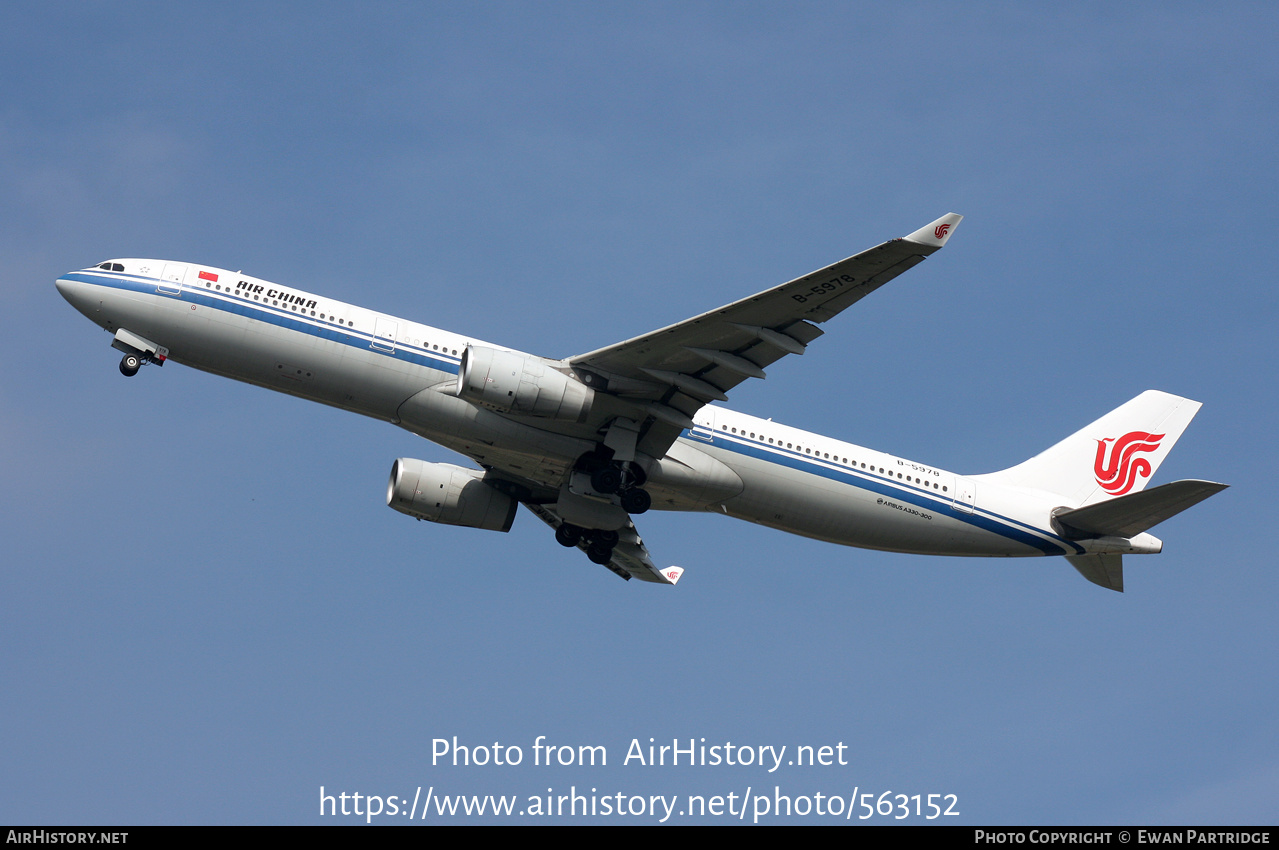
208 613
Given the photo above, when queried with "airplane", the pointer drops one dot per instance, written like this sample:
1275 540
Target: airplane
589 442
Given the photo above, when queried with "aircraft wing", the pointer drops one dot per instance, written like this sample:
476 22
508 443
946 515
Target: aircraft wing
670 373
630 555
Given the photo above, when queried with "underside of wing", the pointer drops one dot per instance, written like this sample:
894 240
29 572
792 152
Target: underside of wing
670 373
630 558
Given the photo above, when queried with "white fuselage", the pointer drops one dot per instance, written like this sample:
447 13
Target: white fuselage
392 369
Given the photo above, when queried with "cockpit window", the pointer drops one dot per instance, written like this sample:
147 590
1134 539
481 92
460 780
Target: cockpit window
111 267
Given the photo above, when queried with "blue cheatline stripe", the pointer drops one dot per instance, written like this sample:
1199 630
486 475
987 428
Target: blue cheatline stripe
241 306
985 520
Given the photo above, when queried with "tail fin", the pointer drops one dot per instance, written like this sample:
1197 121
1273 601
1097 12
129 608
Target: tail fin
1113 456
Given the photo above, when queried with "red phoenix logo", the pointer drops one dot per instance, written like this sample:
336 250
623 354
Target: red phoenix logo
940 230
1118 474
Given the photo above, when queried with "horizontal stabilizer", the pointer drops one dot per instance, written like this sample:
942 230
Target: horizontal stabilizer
1127 516
1104 570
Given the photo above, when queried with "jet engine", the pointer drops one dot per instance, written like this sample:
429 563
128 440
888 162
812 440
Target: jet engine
448 494
511 382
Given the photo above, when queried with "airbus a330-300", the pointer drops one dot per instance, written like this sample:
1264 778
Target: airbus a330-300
589 442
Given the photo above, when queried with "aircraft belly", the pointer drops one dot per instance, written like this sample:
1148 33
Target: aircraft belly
303 365
689 479
273 356
842 507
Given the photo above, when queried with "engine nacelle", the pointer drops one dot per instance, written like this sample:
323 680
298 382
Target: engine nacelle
442 492
510 382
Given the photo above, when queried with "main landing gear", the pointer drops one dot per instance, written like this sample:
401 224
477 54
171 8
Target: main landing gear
599 543
608 477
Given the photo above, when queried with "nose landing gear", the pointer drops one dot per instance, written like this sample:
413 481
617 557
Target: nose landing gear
137 351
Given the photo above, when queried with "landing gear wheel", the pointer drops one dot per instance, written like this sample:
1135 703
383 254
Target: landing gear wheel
636 501
607 539
130 364
599 554
606 480
568 535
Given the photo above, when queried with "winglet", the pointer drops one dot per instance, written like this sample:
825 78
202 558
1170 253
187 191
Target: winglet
672 574
936 233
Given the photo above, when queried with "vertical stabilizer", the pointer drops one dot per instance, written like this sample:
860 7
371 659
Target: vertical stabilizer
1113 456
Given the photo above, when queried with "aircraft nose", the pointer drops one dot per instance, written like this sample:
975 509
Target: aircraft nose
69 289
75 292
